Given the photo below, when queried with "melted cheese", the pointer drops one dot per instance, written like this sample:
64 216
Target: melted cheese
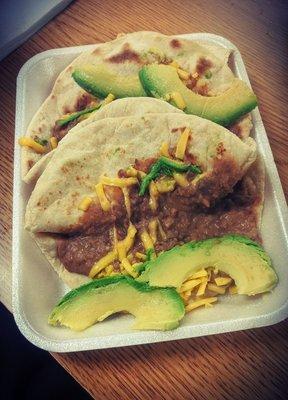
182 144
103 263
131 171
233 290
120 182
104 202
29 142
85 203
161 231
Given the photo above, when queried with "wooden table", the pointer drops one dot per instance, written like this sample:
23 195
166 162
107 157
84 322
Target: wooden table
243 365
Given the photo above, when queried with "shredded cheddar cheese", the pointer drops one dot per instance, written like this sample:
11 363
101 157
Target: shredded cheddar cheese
199 303
174 64
53 142
220 281
153 200
180 179
195 75
152 227
146 240
202 288
131 171
183 74
85 203
178 100
140 256
104 202
29 142
161 231
189 285
123 246
215 288
164 149
125 191
108 99
182 144
103 263
120 182
128 267
200 274
165 184
233 290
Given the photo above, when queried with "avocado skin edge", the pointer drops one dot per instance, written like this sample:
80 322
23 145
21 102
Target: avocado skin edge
111 280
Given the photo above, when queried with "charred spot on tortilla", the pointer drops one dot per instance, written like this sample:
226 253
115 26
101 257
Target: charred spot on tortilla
175 44
31 163
83 101
126 54
203 65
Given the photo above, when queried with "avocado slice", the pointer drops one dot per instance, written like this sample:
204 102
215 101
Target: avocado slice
161 80
99 81
153 308
238 256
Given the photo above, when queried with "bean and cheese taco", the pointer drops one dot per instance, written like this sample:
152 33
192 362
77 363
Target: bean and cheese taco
122 186
111 70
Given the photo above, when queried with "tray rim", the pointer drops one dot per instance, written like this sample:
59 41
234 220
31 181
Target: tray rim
142 337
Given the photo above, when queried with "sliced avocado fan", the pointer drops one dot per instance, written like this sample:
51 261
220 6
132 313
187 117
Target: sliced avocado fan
161 80
238 256
153 308
99 81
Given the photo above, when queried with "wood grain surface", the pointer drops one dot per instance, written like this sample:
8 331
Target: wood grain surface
242 365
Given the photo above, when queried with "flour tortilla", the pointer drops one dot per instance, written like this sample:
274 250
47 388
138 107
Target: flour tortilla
137 106
66 92
106 146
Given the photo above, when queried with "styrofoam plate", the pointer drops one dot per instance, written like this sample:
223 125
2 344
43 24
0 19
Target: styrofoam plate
36 287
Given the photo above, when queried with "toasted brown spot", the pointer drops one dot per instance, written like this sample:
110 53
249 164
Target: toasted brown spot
30 163
202 90
127 54
83 101
203 65
220 149
97 51
175 44
180 128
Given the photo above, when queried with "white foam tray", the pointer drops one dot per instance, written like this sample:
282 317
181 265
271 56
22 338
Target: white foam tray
36 287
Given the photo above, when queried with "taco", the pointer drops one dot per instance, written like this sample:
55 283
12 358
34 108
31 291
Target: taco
137 106
110 70
156 180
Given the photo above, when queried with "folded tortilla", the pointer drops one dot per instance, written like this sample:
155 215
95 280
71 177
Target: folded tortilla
109 145
137 106
125 56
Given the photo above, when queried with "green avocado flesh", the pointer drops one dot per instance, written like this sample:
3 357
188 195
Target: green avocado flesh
153 308
160 80
244 260
97 80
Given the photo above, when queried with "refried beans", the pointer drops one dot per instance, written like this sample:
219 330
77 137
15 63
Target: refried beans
184 215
